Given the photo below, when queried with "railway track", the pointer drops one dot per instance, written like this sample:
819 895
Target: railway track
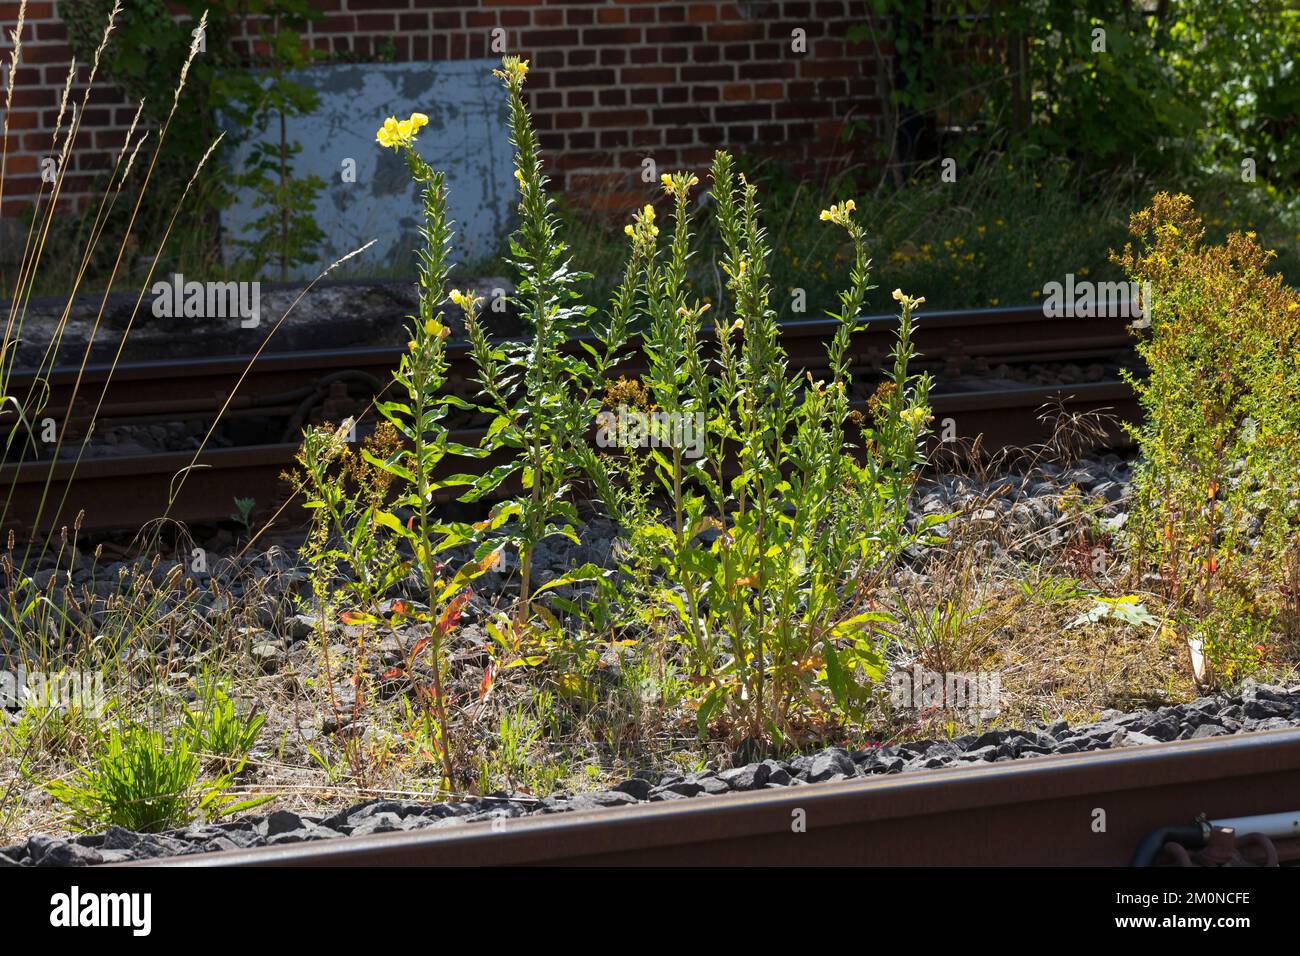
286 390
1096 809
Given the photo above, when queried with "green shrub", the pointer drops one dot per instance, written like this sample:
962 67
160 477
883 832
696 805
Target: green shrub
1217 503
771 524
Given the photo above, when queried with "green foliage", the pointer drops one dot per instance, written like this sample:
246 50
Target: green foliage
1217 490
374 512
244 513
772 523
513 760
769 607
217 731
1187 87
145 53
141 779
538 393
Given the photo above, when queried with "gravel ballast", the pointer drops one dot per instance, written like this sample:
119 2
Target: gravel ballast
1256 707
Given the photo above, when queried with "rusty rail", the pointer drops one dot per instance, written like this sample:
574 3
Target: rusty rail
125 492
1081 809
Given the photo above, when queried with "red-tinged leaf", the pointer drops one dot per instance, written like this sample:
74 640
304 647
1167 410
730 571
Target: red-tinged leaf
401 607
391 673
419 646
450 616
485 686
410 523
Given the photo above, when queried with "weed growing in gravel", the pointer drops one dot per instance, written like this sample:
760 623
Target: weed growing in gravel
220 734
142 779
1218 486
771 531
375 512
538 393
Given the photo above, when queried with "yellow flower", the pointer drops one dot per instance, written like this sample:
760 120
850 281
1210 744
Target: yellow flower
467 301
914 416
395 132
513 71
678 183
839 213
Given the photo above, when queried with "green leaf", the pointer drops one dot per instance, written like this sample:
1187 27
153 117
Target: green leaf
708 707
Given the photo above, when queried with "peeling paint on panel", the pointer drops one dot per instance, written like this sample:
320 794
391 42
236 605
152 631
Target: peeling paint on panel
467 137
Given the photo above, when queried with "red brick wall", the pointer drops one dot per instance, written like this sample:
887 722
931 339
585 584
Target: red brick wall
612 81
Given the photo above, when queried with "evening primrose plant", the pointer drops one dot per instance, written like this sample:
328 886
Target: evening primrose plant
760 535
773 532
376 515
540 396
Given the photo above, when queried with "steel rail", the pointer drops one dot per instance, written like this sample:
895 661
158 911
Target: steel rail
1079 809
128 491
197 384
124 492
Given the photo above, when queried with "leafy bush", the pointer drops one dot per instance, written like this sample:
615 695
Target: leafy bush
1217 503
1170 88
374 512
539 395
766 606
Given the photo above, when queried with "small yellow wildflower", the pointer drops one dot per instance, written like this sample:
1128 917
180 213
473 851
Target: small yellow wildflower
913 416
465 300
679 183
395 132
513 71
839 213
